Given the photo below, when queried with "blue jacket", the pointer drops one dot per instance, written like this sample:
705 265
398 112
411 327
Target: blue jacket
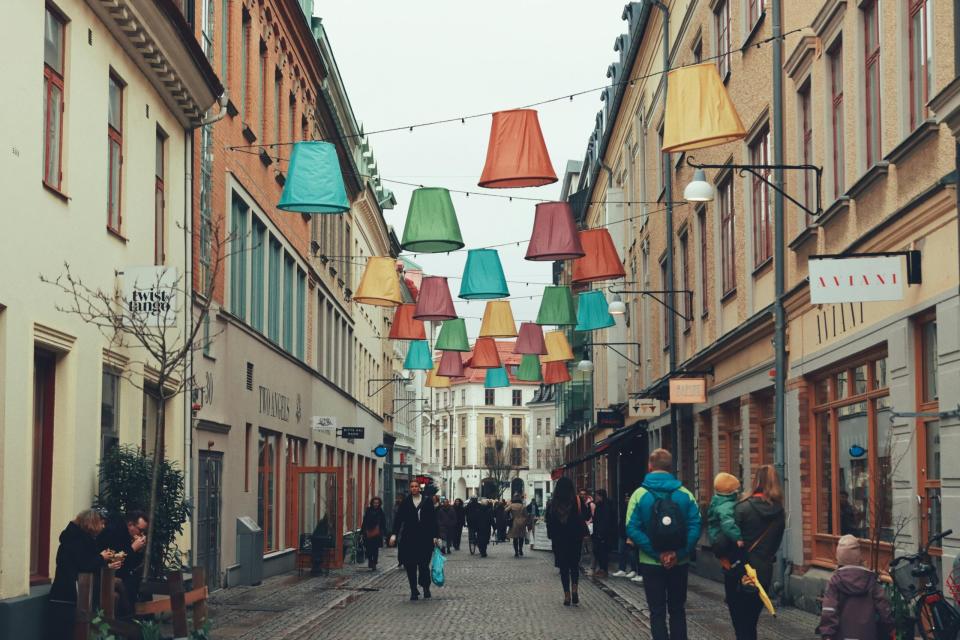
663 483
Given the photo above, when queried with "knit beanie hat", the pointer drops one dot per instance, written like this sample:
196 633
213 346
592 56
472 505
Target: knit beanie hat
848 551
725 483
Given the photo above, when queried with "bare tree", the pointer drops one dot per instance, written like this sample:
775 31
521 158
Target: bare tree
882 507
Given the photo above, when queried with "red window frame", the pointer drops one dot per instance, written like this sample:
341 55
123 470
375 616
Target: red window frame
52 79
754 11
806 144
268 472
721 21
919 87
836 116
727 239
762 229
115 141
871 65
704 270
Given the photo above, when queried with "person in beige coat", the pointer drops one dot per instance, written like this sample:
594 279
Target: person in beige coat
517 516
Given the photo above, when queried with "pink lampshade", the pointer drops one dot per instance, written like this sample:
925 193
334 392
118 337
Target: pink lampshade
451 365
554 235
530 339
434 302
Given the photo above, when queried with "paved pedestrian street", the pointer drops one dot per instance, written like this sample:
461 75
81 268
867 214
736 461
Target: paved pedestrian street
491 598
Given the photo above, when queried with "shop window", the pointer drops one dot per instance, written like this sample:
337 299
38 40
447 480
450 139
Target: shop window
929 454
268 515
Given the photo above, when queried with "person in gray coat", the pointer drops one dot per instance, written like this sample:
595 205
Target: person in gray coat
447 524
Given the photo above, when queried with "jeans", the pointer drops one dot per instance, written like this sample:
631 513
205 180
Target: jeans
744 607
457 534
373 552
601 551
569 575
518 545
628 556
424 579
666 591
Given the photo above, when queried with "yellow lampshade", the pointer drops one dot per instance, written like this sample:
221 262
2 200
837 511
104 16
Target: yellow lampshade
380 284
699 112
558 349
437 382
498 321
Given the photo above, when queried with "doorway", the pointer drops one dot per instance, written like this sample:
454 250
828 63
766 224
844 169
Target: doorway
209 501
44 384
313 497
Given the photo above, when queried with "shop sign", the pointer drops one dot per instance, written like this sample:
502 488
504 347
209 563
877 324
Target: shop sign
351 433
274 404
609 419
150 297
644 408
866 279
381 451
323 424
688 390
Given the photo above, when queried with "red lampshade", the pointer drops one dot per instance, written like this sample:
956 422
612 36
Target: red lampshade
485 355
601 260
451 365
405 326
516 154
530 339
434 302
554 235
555 372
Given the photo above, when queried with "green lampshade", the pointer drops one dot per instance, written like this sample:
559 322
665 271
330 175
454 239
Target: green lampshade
418 357
529 370
496 378
314 182
592 312
431 225
483 276
556 308
453 336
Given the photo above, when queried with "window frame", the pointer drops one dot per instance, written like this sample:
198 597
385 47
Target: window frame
728 251
684 238
268 466
489 426
159 213
54 79
516 426
760 198
835 68
489 397
666 314
918 95
41 485
704 264
115 141
721 26
805 113
755 10
930 487
871 67
516 397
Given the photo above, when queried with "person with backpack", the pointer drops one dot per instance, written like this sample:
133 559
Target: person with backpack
854 604
665 526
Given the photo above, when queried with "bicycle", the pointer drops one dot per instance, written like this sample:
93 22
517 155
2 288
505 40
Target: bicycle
916 579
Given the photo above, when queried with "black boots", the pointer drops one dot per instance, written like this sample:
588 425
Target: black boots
576 594
426 593
414 595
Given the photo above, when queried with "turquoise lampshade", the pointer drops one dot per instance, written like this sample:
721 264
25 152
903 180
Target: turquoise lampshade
483 276
418 357
529 370
314 181
496 378
592 312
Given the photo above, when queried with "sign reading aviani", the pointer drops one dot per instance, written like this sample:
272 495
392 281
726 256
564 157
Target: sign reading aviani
856 279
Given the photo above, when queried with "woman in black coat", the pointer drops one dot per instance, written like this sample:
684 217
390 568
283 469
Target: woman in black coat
604 531
461 521
500 519
374 527
566 529
415 526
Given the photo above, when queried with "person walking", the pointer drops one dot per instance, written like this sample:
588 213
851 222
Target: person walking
483 524
374 525
415 526
500 520
585 503
446 524
761 519
665 526
517 514
854 604
604 532
627 561
461 521
566 529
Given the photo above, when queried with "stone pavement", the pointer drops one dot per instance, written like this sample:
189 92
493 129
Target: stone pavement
493 598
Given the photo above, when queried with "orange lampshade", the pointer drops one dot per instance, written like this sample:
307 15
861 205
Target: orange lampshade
380 284
555 373
516 154
558 348
435 381
405 326
601 260
485 355
699 112
498 321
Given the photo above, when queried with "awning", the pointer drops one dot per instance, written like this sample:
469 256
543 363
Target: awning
620 437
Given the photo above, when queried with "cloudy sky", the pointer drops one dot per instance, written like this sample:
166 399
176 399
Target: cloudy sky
413 61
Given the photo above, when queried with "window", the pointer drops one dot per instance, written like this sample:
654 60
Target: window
263 90
159 222
539 426
489 397
463 456
806 147
463 427
546 425
109 412
288 269
665 313
762 229
268 486
488 427
244 55
929 430
516 426
292 118
754 11
539 458
446 402
686 299
246 456
463 397
301 310
663 166
53 106
150 424
871 66
517 398
273 291
277 94
225 41
928 361
488 456
44 383
698 51
836 116
114 151
704 269
258 250
516 457
921 64
238 259
728 249
721 25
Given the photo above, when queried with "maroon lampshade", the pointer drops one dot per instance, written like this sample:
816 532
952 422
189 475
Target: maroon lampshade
434 302
530 339
485 354
451 365
554 235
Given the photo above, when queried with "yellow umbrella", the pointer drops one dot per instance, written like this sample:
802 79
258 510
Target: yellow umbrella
752 578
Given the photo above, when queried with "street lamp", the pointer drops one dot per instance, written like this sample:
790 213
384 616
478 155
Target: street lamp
699 190
615 308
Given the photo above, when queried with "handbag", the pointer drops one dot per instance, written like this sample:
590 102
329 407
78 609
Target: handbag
372 533
749 588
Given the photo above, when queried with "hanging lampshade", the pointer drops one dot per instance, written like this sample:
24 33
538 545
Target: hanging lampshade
453 336
555 373
483 276
554 235
314 183
498 320
699 112
601 260
516 154
418 356
558 348
405 326
592 312
434 302
529 369
556 307
496 378
451 365
530 340
485 354
380 284
431 225
436 381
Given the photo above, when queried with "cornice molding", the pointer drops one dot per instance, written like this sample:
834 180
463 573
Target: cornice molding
53 338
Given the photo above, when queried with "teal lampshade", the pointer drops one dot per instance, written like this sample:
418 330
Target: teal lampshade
431 225
556 307
314 182
418 357
529 369
453 336
483 276
592 312
496 378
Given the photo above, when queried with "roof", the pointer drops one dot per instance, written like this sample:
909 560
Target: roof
507 357
546 394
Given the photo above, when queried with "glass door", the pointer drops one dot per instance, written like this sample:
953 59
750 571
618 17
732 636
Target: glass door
313 502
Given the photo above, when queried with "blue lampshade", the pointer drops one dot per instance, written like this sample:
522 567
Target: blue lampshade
592 312
418 357
483 276
496 378
314 181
